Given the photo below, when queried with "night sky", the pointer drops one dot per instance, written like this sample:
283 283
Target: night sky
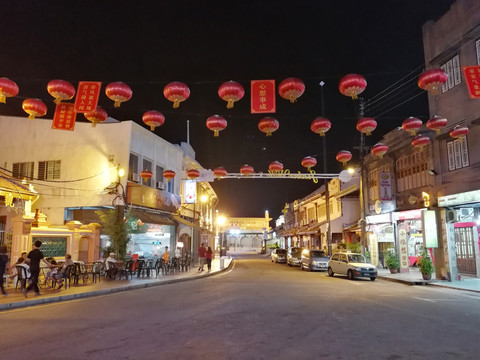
148 44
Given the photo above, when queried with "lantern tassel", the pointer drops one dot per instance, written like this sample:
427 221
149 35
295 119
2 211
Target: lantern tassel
94 123
322 133
413 133
269 133
292 99
31 116
460 139
437 131
117 103
215 133
152 127
176 103
3 98
230 104
57 101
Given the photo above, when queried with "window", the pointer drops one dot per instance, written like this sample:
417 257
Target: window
159 177
457 153
49 170
477 45
170 186
412 169
147 165
453 71
133 173
23 170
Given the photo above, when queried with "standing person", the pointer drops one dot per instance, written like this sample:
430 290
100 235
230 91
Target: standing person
166 255
33 258
201 256
4 266
209 257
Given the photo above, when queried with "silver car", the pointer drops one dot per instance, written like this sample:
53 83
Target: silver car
314 260
279 256
294 256
351 264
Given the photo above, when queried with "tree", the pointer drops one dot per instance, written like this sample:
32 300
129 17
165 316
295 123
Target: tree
115 228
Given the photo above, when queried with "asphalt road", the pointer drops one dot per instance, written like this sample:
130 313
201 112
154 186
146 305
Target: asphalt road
258 310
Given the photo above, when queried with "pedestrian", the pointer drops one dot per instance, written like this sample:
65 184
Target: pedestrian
4 266
166 255
33 258
209 257
201 256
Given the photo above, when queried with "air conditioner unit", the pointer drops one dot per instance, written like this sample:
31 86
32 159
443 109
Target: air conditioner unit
135 177
160 185
451 215
466 212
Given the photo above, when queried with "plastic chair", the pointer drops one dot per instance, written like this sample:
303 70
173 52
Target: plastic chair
98 270
22 277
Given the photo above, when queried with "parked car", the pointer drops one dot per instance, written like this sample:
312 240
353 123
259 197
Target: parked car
279 256
314 260
294 256
351 264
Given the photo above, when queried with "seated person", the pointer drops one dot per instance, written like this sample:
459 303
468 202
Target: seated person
13 270
53 270
111 266
61 272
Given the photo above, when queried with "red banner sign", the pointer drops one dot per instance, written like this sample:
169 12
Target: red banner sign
87 96
64 117
262 96
472 77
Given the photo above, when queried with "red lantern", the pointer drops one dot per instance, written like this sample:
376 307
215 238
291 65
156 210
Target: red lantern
118 92
411 124
146 174
246 170
309 162
231 91
436 123
420 141
219 172
352 85
34 107
176 92
153 119
169 175
216 123
379 150
344 156
193 174
459 132
366 125
268 125
432 80
96 116
60 90
275 166
320 126
8 88
291 89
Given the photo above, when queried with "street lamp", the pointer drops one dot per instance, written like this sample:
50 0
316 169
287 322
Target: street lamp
221 220
325 181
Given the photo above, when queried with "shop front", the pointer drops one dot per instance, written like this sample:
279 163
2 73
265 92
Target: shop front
381 236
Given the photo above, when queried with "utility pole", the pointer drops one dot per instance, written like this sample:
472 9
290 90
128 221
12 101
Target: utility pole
361 110
325 182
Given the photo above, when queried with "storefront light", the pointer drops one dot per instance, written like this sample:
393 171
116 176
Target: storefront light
121 172
204 198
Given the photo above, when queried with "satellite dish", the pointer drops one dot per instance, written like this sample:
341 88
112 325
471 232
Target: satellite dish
345 176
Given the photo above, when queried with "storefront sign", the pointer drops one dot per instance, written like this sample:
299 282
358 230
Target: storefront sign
190 192
87 96
379 219
373 249
262 96
403 249
385 186
408 215
458 199
64 117
472 78
430 237
333 187
152 198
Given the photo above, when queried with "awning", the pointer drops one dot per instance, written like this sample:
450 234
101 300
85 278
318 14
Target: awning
152 217
183 221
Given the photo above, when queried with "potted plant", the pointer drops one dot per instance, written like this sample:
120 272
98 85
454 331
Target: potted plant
391 260
425 265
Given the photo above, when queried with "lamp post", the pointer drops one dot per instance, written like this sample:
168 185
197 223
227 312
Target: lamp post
325 181
362 182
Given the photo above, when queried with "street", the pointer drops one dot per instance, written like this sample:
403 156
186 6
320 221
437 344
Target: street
258 310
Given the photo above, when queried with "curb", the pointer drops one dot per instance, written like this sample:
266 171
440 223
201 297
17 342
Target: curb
426 283
52 299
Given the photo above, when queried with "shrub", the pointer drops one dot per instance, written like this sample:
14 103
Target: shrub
391 259
425 264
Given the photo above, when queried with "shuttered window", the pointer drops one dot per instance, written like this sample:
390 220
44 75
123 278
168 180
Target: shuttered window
23 170
457 74
454 72
444 86
49 170
457 153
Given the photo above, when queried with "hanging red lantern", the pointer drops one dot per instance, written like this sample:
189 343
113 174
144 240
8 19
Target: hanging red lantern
352 85
8 88
118 92
379 150
459 132
169 175
320 126
193 174
420 141
436 123
219 172
246 170
268 125
34 108
432 80
153 119
216 123
231 91
275 166
344 156
366 125
176 92
412 124
309 162
291 89
146 174
60 90
96 116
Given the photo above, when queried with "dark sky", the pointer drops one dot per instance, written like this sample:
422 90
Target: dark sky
148 44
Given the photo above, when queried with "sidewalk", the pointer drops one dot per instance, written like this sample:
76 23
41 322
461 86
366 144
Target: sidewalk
414 277
15 299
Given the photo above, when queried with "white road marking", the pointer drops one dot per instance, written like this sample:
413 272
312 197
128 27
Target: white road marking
429 300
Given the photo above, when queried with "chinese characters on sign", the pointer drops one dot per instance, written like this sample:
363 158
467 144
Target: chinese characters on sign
64 117
402 237
385 186
373 248
87 96
472 77
262 96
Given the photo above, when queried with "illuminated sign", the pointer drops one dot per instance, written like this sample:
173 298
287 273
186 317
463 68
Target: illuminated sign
294 176
429 229
385 186
190 192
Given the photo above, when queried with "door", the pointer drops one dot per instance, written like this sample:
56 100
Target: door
465 239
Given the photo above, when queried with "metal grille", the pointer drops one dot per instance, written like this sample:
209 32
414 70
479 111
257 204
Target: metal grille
464 241
52 246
